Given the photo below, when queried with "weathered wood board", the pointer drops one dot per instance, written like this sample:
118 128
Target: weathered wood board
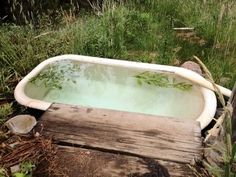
79 162
123 132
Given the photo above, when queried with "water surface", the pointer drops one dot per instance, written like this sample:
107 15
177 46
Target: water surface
116 88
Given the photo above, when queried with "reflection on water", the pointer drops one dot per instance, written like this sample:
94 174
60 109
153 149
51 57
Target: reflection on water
116 88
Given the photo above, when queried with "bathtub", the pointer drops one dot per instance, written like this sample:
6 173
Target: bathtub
119 85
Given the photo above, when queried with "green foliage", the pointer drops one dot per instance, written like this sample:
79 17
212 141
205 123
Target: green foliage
138 30
2 172
232 158
222 143
230 148
26 169
55 75
138 39
161 80
5 111
135 30
31 11
103 36
113 33
49 78
22 48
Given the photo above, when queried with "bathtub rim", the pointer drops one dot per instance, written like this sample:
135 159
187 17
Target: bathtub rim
209 97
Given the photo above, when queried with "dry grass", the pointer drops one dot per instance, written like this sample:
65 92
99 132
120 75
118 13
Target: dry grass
39 151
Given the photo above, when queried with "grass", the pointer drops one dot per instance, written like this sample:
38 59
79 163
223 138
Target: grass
219 140
26 169
5 111
131 30
134 30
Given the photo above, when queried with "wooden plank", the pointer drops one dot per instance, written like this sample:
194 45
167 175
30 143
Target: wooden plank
136 134
79 162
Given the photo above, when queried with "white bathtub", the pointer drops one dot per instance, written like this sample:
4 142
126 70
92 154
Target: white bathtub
204 118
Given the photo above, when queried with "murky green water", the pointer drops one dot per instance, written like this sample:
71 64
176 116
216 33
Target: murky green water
117 88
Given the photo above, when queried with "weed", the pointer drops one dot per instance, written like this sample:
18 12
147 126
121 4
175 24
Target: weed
102 36
2 172
135 31
26 169
55 75
5 111
139 30
161 80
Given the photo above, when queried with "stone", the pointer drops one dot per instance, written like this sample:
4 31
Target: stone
192 66
15 168
36 134
21 124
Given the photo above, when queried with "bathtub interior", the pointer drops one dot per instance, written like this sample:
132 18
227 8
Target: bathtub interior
118 88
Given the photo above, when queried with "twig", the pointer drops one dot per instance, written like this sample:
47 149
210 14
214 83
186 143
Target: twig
184 29
42 34
210 78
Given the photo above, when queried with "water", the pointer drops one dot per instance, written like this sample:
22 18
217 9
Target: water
118 89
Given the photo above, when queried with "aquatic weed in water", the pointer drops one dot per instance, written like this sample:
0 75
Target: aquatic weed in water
55 75
161 80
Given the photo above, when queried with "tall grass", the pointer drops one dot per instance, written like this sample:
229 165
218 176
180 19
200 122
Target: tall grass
138 30
134 30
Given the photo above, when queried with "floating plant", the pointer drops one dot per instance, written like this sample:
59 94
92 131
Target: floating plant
161 80
54 76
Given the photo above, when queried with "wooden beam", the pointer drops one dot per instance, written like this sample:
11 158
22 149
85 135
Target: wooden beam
124 132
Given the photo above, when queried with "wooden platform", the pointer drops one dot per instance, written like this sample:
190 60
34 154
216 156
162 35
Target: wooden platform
121 143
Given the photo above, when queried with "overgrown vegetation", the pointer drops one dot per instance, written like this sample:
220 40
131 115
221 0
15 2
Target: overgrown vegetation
5 111
161 80
219 140
55 75
27 154
138 30
26 170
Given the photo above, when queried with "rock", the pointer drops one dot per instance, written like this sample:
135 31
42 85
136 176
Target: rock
15 168
21 124
36 134
192 66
